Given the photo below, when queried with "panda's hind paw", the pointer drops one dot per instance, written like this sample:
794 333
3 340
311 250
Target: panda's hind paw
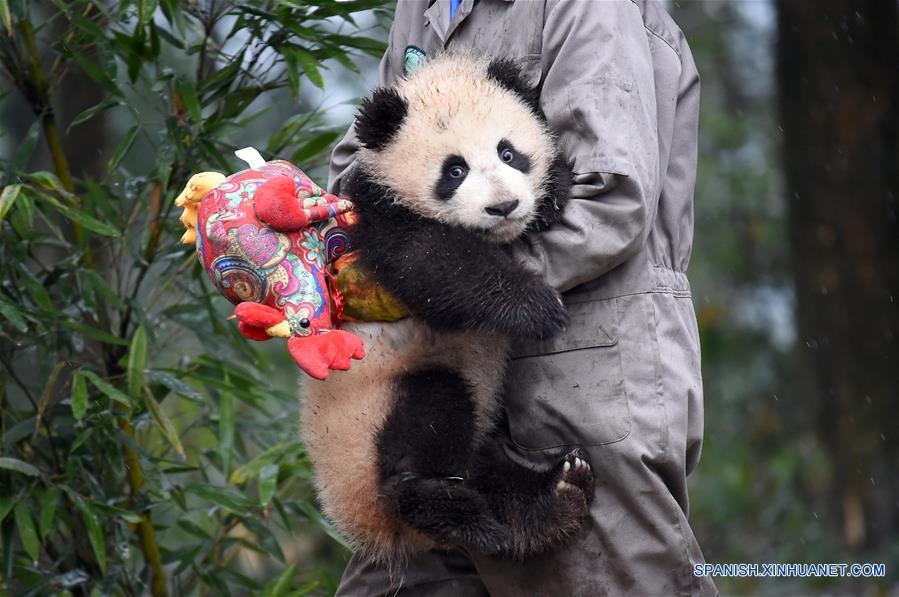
573 473
485 537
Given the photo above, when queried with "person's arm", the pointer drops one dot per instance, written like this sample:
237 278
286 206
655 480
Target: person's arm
344 153
598 95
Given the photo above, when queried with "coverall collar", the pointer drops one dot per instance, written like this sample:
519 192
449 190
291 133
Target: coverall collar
438 17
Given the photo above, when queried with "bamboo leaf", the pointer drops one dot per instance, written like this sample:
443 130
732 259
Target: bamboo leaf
94 530
316 517
122 148
93 111
282 585
265 537
227 498
108 390
6 506
268 482
194 529
145 9
308 63
164 423
46 395
14 464
80 439
314 146
27 532
35 288
226 430
126 515
27 146
9 195
171 9
191 100
96 73
90 222
22 219
100 197
274 454
90 280
94 333
373 47
79 396
6 16
6 536
49 505
46 180
13 316
223 77
173 383
16 433
77 216
293 77
137 362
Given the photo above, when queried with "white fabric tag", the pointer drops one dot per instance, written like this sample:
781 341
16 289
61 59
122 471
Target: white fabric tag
251 156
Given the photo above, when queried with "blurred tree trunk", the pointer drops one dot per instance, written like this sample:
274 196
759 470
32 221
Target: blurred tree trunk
85 142
838 75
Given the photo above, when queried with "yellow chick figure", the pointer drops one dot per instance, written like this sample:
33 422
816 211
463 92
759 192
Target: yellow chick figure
189 199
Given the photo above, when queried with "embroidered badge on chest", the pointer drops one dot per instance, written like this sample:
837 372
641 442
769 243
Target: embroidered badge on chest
413 58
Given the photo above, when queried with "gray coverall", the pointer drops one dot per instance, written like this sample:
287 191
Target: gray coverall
619 86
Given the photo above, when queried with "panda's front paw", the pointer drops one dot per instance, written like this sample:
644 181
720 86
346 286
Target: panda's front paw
555 319
543 316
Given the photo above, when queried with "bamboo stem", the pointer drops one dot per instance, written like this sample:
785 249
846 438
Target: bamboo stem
145 530
44 112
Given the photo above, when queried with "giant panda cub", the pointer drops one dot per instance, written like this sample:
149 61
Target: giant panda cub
456 163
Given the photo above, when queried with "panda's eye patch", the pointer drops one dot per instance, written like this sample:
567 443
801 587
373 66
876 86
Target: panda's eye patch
512 157
452 175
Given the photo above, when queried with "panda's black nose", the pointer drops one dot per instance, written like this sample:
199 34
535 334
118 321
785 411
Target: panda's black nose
503 208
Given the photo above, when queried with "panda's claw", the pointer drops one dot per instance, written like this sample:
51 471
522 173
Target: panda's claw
545 314
574 473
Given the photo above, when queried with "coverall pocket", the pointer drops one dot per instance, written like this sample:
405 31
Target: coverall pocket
600 115
569 391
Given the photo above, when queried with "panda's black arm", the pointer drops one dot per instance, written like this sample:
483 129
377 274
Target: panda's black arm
453 278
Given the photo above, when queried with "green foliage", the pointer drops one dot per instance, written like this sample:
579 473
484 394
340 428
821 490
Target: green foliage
143 444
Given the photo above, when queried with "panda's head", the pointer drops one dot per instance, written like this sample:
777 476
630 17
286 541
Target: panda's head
463 142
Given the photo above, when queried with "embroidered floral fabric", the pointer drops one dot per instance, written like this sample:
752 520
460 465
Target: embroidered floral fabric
248 261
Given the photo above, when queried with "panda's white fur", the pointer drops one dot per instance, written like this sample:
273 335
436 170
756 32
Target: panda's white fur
454 107
343 414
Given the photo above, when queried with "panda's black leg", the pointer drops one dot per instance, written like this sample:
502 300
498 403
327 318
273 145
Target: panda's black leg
541 508
452 512
425 453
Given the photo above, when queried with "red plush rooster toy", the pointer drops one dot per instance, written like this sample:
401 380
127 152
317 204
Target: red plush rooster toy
268 237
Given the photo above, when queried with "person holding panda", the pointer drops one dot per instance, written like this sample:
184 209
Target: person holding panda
622 382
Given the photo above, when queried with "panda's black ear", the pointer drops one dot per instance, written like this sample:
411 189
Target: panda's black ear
380 117
508 74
